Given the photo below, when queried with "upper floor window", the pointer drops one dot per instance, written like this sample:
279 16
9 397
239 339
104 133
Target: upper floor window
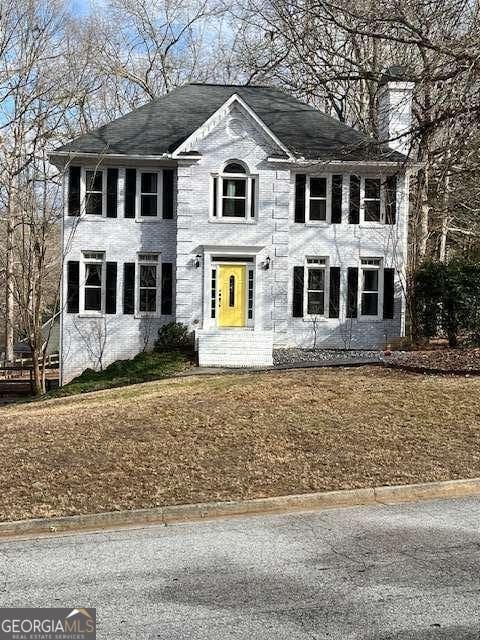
372 200
149 190
94 191
318 200
234 193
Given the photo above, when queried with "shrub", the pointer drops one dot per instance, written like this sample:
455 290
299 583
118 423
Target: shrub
447 300
143 367
174 336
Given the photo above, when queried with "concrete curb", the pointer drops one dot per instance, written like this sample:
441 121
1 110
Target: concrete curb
283 504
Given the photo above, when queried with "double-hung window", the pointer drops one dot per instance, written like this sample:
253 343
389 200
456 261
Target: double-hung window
233 194
148 283
149 194
94 281
315 286
318 199
371 281
373 200
94 192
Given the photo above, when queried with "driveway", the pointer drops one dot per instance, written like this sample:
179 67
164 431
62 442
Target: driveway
400 572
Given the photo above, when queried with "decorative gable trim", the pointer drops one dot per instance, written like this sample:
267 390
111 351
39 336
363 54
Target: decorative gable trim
189 144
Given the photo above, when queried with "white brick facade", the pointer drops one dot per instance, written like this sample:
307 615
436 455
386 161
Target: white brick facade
273 234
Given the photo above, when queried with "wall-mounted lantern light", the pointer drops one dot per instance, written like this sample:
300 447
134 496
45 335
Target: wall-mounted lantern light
266 263
197 261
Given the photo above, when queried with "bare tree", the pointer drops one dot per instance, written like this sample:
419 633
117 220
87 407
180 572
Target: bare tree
35 104
333 53
94 338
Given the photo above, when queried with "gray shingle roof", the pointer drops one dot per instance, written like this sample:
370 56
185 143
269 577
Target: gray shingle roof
160 126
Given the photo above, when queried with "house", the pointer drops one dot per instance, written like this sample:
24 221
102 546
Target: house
253 218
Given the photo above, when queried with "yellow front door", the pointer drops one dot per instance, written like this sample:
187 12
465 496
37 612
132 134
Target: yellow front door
231 295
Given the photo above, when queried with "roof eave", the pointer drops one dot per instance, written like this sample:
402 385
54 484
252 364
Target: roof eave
304 162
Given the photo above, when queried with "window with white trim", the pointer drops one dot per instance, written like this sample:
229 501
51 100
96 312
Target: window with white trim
93 282
149 190
234 193
371 287
315 283
148 280
318 199
373 205
94 181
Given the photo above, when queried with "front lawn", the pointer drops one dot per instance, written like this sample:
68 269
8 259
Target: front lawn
236 436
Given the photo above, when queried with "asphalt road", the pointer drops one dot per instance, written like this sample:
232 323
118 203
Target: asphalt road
401 572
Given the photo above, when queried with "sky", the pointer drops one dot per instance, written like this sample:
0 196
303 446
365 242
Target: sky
81 7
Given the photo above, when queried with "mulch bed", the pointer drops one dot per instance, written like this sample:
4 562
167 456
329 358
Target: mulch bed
442 360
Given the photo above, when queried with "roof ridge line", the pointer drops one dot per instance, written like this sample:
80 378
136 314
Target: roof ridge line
228 86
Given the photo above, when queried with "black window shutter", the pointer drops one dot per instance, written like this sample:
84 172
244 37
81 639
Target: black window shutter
354 210
129 287
298 276
168 193
300 183
391 200
111 288
167 288
337 183
334 303
112 183
73 286
388 293
74 191
252 198
130 192
214 196
352 292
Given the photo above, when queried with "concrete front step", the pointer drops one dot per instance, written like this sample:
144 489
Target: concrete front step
235 348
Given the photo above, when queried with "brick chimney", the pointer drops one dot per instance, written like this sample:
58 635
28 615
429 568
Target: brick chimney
395 108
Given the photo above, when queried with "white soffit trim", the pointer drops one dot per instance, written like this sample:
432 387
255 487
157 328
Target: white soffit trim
106 156
215 118
332 164
248 250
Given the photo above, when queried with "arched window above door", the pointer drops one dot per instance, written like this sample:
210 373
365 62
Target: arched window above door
234 167
234 193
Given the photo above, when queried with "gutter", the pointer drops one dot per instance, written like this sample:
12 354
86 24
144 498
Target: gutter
115 156
302 162
299 162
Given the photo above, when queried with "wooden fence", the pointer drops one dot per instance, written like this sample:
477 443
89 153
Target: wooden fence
16 377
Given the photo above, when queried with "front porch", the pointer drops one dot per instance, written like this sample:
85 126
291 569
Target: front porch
234 332
234 348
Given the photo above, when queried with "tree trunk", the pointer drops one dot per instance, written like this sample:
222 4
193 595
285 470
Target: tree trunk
423 217
9 299
38 386
442 250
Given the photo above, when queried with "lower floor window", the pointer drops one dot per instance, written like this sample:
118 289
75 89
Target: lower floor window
370 286
94 281
148 283
315 283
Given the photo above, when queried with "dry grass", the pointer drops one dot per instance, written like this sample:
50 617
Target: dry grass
236 436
